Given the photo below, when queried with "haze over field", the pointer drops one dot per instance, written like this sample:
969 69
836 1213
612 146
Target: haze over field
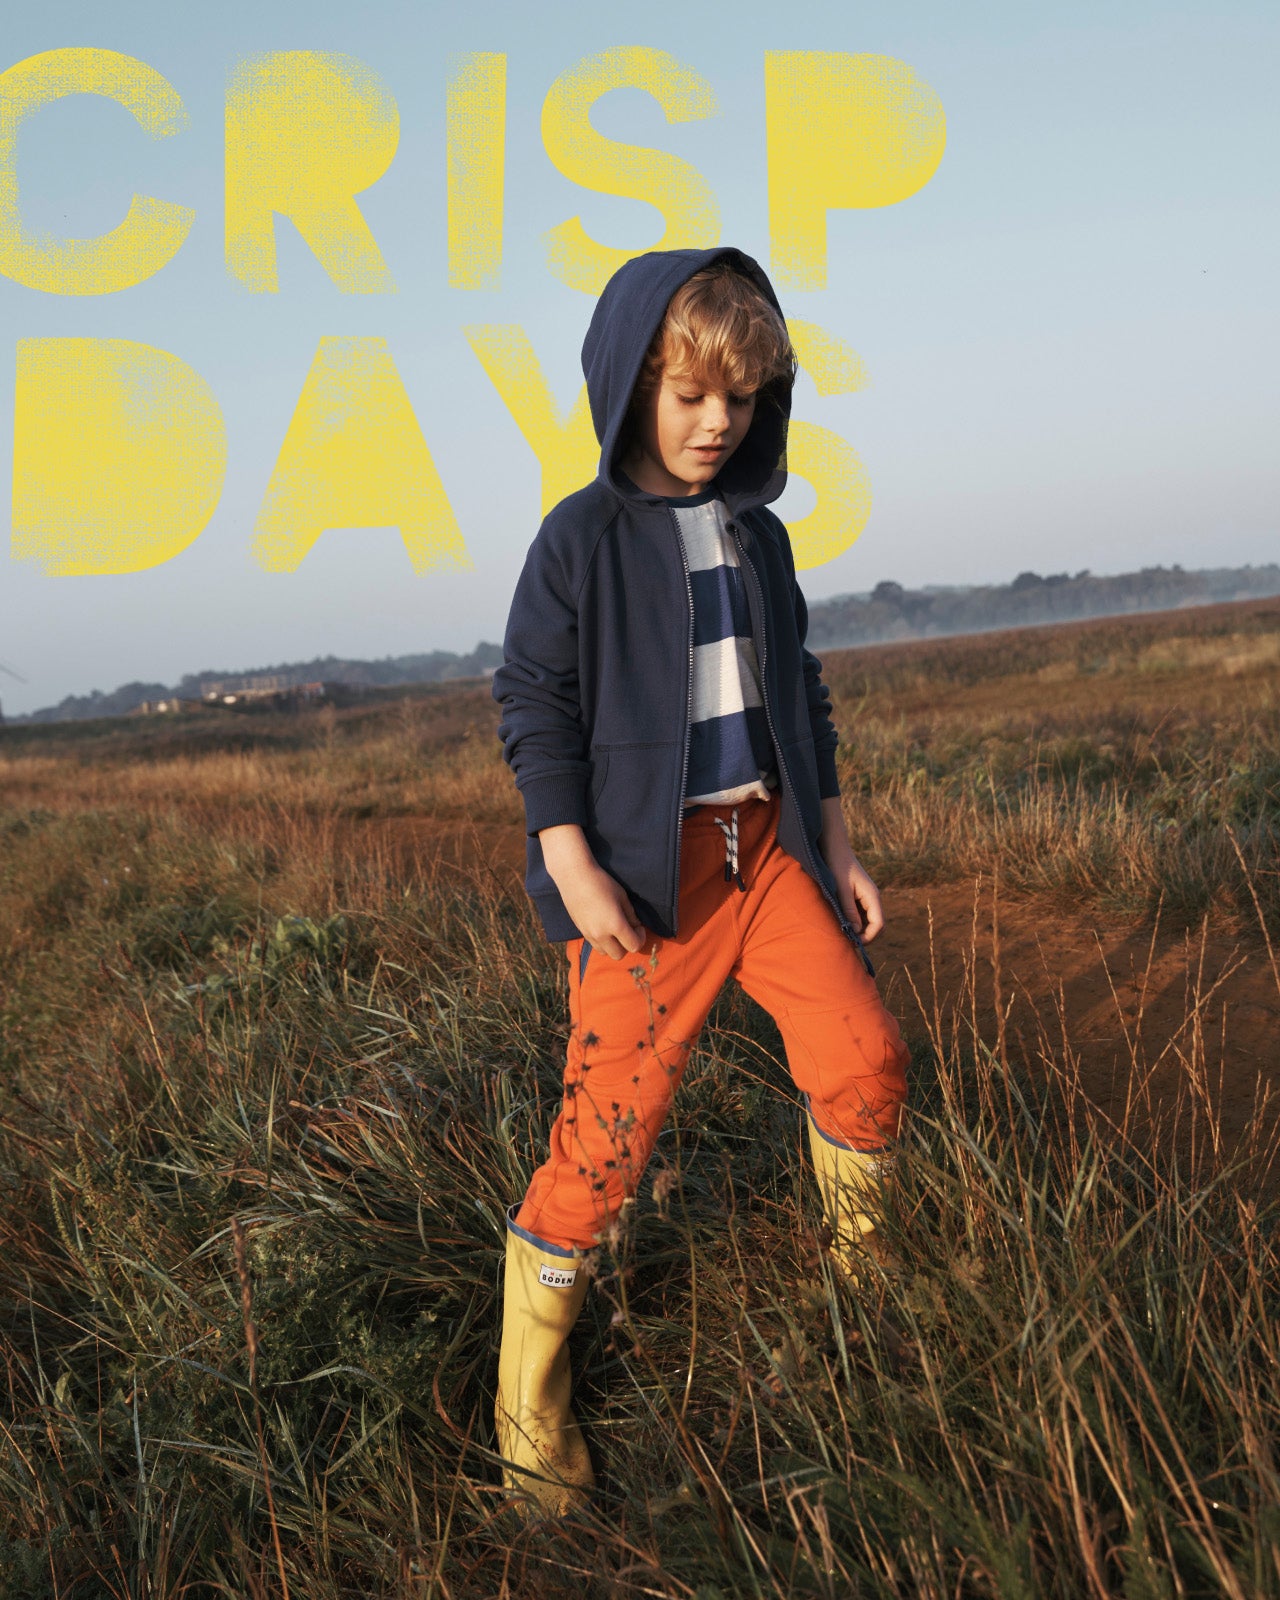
890 611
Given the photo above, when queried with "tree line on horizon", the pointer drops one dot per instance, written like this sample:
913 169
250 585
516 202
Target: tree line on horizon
892 612
888 613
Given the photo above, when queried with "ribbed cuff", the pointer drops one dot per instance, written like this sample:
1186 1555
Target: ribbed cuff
552 801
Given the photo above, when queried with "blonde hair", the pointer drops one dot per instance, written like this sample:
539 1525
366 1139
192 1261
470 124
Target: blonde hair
721 333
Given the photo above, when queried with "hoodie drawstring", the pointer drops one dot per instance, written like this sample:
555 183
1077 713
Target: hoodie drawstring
732 874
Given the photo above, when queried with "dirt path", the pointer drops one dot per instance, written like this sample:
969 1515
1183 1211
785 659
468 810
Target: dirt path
1147 1012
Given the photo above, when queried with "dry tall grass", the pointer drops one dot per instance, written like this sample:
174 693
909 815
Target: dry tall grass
269 1082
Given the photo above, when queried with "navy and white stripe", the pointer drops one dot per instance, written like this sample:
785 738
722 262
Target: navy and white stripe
730 752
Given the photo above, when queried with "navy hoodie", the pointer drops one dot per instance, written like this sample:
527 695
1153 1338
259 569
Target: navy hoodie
596 685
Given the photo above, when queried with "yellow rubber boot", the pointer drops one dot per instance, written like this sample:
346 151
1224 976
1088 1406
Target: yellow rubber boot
852 1184
544 1454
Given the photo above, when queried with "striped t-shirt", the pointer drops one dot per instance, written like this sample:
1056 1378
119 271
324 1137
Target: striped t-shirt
730 751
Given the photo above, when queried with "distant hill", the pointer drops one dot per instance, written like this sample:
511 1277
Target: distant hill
433 667
892 611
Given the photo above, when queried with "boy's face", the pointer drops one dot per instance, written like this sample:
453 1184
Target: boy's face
684 434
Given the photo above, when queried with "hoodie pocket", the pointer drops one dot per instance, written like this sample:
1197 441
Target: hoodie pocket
632 799
599 771
802 765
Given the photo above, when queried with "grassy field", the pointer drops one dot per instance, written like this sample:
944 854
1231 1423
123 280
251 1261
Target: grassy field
279 1042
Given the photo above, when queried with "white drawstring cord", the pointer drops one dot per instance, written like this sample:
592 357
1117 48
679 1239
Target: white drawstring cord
730 831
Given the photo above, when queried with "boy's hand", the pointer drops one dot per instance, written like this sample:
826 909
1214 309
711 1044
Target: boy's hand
598 904
859 897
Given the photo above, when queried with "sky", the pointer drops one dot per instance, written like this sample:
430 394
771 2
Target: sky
1070 332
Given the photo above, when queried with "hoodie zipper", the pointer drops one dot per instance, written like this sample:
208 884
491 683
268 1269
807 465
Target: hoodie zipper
688 717
846 927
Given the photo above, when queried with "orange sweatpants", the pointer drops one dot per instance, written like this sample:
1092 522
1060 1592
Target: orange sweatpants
634 1022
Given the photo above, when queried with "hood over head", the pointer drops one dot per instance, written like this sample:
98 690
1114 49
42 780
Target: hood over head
627 316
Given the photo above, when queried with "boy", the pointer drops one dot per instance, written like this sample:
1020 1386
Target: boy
671 741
